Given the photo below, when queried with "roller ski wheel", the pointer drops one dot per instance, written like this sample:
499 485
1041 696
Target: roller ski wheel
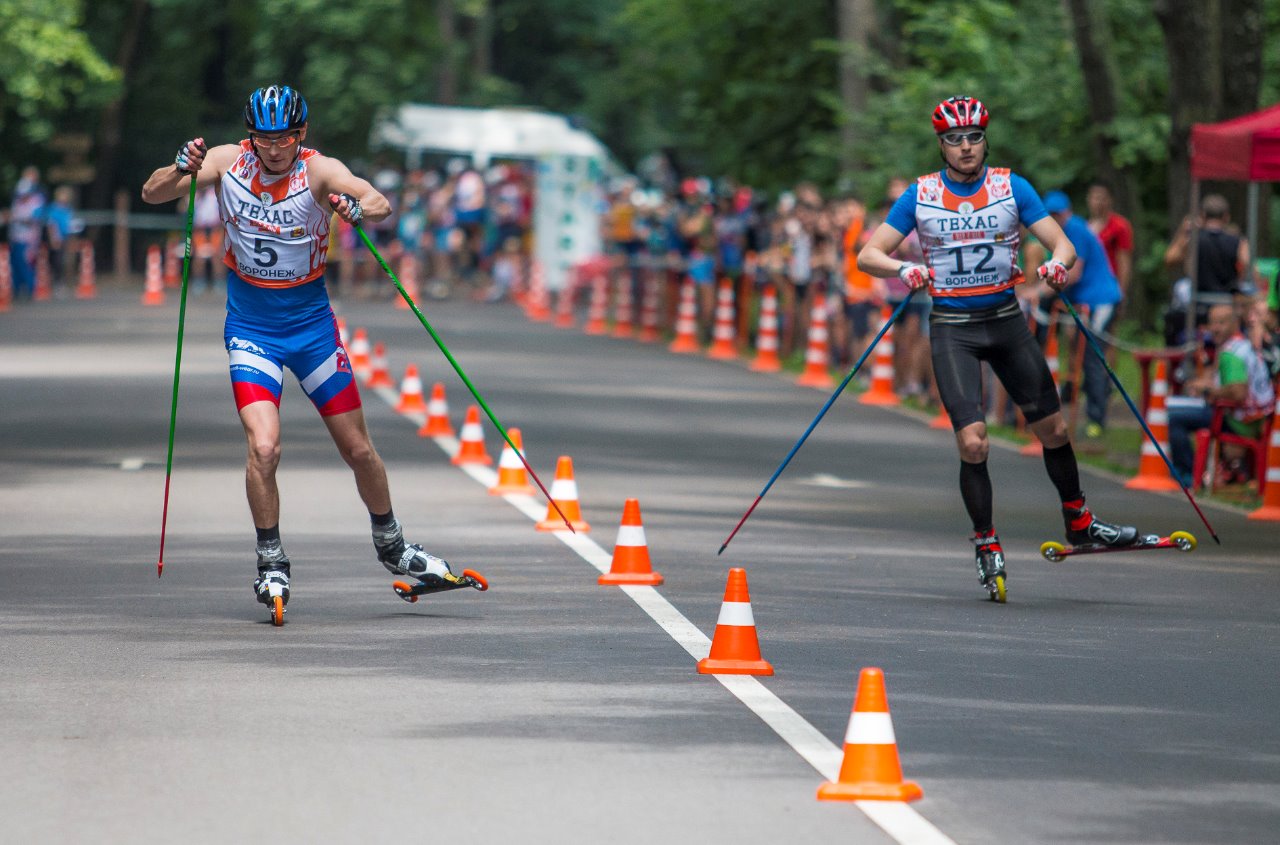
272 588
440 584
996 589
1183 541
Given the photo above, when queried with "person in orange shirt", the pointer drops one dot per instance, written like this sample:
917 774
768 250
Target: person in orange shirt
863 294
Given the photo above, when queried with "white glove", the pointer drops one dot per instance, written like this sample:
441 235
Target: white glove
1054 272
915 276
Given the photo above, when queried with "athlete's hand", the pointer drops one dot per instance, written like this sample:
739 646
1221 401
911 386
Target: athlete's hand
191 157
1054 272
915 276
348 208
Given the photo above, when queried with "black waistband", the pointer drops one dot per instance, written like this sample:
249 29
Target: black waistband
957 317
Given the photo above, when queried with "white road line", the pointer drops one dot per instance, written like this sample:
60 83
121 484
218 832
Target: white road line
897 819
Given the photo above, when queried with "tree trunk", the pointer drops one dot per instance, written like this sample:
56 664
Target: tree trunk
447 81
855 21
1241 69
1093 47
109 133
481 41
1194 87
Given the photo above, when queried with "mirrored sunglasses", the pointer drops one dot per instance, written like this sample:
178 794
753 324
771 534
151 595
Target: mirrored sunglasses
955 139
262 142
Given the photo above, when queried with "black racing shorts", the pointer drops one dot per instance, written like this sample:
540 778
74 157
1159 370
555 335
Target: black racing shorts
962 340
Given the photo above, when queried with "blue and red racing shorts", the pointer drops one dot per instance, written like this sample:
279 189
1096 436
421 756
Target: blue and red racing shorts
268 329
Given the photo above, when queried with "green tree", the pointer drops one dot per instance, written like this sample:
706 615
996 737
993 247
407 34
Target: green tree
47 64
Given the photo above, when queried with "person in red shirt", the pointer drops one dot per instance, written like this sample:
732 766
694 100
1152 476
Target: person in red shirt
1114 230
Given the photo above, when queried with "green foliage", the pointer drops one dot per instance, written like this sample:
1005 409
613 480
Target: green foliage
741 94
46 64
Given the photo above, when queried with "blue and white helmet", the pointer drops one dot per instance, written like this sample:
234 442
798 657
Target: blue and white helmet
275 109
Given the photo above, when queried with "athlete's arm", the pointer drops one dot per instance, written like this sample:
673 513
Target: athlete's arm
168 183
1061 252
874 259
330 178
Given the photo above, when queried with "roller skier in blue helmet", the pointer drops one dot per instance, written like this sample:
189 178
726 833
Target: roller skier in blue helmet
276 198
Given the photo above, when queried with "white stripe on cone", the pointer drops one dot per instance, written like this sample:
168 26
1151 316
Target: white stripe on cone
471 431
509 459
1157 416
564 489
737 613
630 535
870 729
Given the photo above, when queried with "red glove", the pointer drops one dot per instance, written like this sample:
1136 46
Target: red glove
915 276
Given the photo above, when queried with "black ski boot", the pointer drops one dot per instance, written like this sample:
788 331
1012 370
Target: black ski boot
1085 529
988 556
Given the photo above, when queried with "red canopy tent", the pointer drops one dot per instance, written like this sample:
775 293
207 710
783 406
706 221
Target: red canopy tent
1243 149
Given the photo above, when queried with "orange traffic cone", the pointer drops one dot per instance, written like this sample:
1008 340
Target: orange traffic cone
1035 447
88 285
941 421
173 263
598 311
408 279
411 401
1270 509
44 276
735 649
766 360
818 355
378 375
153 294
870 770
630 563
538 305
623 325
343 334
358 353
649 310
437 424
724 336
686 339
881 390
6 279
564 492
564 306
471 443
1153 472
512 477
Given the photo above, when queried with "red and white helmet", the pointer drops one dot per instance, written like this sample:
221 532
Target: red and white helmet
959 112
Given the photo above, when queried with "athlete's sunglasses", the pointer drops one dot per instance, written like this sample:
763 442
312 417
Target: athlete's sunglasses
955 139
262 142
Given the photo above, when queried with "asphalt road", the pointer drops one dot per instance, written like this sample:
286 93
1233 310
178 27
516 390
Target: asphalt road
1122 698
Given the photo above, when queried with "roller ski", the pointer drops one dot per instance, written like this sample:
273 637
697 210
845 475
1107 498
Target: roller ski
989 558
1086 534
1181 540
272 588
430 574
